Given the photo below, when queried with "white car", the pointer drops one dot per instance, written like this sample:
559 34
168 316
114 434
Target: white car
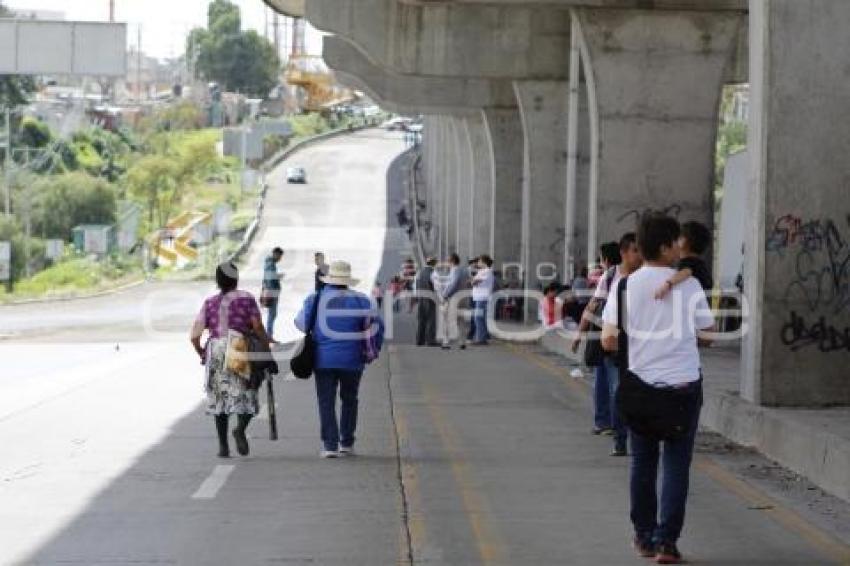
395 124
296 175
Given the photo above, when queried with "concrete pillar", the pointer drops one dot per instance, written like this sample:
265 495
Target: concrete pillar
451 166
543 111
797 264
439 191
655 78
464 189
505 141
581 257
430 150
482 185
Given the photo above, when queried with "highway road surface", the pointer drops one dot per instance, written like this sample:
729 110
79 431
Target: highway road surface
465 457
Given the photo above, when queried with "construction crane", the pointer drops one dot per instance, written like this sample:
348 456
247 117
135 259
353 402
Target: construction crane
312 75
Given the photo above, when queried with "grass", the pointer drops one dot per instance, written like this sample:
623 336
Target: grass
74 276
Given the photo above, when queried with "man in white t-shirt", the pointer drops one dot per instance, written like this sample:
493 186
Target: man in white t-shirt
662 351
482 289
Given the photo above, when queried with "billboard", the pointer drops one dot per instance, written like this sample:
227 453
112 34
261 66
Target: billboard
37 47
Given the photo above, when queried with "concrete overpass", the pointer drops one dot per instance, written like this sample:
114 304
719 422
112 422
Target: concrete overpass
552 125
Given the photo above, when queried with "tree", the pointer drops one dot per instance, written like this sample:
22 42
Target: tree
62 202
241 61
153 179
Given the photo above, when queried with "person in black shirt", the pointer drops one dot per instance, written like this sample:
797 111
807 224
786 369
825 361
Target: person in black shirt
693 243
321 270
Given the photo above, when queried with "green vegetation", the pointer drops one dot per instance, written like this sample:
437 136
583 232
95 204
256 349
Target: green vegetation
183 115
75 275
61 202
731 138
167 165
241 61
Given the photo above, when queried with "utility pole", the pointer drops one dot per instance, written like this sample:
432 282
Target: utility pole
112 11
276 32
139 64
7 165
299 31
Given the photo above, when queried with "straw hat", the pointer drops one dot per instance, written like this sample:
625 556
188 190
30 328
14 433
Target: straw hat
339 273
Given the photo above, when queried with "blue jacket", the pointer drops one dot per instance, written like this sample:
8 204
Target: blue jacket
339 337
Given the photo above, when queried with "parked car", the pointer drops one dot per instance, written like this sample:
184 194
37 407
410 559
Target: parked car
296 175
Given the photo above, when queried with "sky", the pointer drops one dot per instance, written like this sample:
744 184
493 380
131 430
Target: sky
164 23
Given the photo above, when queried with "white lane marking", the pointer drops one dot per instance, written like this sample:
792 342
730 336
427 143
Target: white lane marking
216 480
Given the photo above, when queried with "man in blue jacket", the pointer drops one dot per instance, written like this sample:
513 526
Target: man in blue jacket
345 319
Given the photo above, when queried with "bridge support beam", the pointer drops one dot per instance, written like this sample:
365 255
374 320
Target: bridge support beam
506 142
482 185
464 188
655 81
797 264
543 111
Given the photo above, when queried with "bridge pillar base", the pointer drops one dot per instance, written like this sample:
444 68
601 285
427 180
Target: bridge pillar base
797 264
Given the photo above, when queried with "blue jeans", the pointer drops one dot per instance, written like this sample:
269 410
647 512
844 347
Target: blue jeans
335 433
270 318
601 398
649 524
480 321
613 375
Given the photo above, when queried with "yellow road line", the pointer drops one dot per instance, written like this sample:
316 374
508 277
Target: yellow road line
829 546
825 543
490 548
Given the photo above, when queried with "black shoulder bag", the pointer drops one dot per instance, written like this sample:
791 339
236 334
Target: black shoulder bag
303 363
657 413
593 352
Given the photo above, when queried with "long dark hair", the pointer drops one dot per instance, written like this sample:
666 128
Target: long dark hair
226 276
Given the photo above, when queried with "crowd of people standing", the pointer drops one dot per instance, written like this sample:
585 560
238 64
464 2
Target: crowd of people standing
640 318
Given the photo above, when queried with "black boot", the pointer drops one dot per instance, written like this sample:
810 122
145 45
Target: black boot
239 434
221 429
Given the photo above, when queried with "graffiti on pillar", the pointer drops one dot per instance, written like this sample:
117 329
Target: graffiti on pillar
799 333
820 252
635 215
790 231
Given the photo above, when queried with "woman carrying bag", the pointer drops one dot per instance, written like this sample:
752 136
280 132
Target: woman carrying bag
344 333
231 317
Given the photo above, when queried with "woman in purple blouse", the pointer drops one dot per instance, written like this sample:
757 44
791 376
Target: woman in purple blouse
227 315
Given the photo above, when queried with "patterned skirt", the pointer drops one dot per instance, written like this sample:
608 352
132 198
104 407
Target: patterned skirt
227 392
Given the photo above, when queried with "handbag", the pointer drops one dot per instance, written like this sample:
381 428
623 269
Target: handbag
303 363
267 297
593 352
657 413
371 347
262 361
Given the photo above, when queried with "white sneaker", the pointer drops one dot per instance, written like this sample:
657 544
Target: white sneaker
329 454
346 450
